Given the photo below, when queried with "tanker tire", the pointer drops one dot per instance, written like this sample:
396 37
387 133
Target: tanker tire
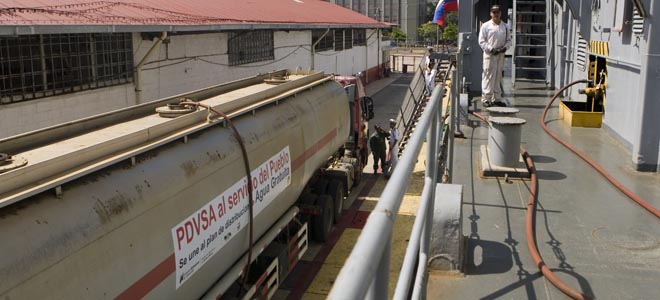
336 191
358 173
322 224
307 199
321 186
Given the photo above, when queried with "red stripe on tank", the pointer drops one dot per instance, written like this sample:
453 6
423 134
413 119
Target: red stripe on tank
148 282
300 160
143 286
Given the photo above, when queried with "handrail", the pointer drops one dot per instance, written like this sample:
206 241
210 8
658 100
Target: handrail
408 112
369 259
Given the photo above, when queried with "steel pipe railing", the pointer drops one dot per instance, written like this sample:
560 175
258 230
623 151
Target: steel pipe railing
369 260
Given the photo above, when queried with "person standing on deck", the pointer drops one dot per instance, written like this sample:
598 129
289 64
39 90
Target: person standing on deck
394 146
494 39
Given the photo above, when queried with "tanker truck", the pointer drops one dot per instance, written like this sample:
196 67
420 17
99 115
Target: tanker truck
153 201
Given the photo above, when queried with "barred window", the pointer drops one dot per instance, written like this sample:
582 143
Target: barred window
359 37
37 66
348 38
250 46
327 43
339 39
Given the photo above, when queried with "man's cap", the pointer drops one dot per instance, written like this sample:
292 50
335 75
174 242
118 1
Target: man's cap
392 121
430 48
495 8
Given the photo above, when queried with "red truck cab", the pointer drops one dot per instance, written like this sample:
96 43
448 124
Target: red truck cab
362 110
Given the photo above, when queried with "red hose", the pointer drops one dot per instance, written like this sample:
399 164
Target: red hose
530 234
598 168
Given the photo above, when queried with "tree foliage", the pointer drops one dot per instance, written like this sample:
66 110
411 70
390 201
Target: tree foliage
450 33
397 34
428 31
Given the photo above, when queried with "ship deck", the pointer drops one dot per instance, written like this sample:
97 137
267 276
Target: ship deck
589 233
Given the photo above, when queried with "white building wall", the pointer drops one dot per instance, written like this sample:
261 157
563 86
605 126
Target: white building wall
21 117
184 63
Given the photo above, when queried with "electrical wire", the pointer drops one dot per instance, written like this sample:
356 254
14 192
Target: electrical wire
252 66
210 55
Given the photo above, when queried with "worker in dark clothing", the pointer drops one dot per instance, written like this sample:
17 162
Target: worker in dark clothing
378 149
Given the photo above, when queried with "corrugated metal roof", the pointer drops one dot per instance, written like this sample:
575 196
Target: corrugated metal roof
178 12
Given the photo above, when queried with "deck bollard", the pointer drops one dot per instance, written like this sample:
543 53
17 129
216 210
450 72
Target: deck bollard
502 112
504 141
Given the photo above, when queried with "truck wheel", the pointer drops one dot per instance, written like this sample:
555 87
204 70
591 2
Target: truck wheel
336 192
307 199
320 186
358 172
322 223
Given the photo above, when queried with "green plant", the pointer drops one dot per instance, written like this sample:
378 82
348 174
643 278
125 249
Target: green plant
397 34
450 33
428 32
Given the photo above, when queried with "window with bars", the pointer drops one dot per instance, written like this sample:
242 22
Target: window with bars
339 39
348 38
37 66
250 46
359 37
326 43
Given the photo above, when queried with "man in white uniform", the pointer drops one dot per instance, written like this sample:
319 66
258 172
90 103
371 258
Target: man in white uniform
494 39
429 71
394 145
429 76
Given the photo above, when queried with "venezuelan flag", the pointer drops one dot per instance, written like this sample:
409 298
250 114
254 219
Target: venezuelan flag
444 6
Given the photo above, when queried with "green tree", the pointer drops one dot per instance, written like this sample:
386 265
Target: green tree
450 32
397 34
427 32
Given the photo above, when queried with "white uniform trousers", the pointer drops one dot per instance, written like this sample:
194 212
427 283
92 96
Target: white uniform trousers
492 77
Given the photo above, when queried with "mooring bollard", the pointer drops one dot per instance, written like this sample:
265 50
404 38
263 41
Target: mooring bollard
504 141
502 112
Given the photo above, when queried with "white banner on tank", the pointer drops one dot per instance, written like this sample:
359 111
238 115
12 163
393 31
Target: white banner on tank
205 232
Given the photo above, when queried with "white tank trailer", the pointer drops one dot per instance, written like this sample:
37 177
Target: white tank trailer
134 204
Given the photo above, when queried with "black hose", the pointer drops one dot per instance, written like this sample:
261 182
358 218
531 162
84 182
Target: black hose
246 161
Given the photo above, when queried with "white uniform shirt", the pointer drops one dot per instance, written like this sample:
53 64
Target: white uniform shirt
394 139
427 61
494 36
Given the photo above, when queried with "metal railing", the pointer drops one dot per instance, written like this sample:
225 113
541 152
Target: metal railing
410 110
369 261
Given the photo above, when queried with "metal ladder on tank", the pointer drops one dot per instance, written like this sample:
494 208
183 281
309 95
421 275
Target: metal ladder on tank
529 41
